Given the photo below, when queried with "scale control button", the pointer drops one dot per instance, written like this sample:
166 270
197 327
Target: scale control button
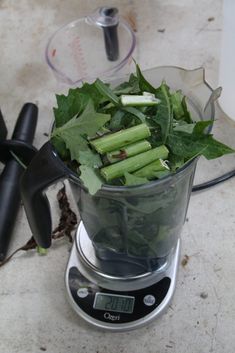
149 300
82 292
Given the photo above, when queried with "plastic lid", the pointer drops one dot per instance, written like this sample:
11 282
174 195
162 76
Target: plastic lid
104 17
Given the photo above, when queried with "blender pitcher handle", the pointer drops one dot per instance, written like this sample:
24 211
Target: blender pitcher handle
44 169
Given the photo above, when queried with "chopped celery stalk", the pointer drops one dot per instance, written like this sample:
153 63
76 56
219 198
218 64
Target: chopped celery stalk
121 138
150 170
133 163
132 100
128 151
41 251
149 94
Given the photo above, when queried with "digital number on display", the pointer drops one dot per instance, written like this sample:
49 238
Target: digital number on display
111 302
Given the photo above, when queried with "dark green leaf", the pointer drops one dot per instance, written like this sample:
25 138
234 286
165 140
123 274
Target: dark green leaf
215 148
116 120
144 85
69 106
130 87
164 116
187 115
106 92
176 101
201 126
136 112
188 146
60 147
175 162
91 91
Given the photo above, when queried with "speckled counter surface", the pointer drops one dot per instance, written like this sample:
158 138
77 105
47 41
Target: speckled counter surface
34 313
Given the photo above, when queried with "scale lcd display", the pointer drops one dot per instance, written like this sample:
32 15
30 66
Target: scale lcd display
113 302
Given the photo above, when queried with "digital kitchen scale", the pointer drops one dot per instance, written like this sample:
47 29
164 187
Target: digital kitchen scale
113 295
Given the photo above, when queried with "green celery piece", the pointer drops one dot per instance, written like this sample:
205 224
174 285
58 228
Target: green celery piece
132 100
162 174
73 133
134 163
107 92
41 251
90 179
144 85
111 142
69 106
164 115
151 170
128 151
131 179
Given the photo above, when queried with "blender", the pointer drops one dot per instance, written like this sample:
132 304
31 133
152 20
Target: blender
122 269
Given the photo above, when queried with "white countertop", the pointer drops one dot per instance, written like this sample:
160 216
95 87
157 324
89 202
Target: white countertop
34 313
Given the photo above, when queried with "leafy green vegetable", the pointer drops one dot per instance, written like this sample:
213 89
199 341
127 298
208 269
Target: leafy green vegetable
106 92
176 101
93 110
91 179
69 106
145 224
90 158
130 87
164 115
75 131
188 146
144 85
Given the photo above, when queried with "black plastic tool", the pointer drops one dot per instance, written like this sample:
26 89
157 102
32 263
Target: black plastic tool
110 32
20 145
3 129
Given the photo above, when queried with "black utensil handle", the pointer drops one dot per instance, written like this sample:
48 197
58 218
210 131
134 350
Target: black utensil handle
10 177
26 123
45 169
111 42
111 33
9 203
3 128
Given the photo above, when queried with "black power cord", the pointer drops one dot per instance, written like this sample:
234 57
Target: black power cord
214 182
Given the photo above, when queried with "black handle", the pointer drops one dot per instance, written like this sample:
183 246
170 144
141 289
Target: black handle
111 33
3 129
9 203
45 169
10 177
26 123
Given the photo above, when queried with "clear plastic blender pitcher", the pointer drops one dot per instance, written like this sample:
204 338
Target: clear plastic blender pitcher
99 45
129 224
